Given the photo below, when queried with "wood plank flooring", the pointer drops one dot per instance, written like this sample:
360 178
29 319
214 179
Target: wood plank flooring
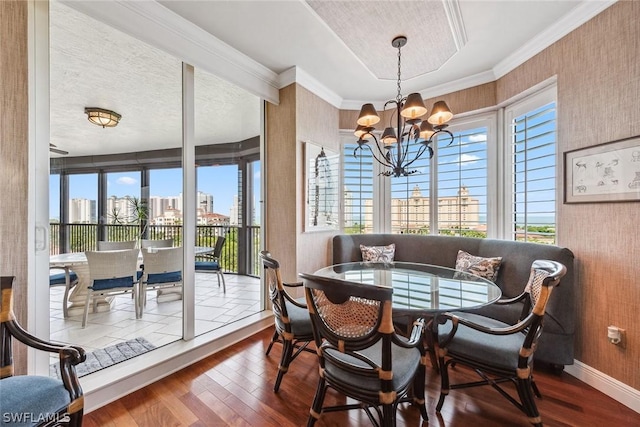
234 388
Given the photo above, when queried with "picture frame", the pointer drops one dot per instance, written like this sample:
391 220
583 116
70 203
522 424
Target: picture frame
322 195
608 172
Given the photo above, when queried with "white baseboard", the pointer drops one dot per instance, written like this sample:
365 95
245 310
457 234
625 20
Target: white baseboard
613 388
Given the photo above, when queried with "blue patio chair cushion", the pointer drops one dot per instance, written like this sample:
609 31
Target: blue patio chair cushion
139 273
36 396
59 279
207 265
173 276
116 282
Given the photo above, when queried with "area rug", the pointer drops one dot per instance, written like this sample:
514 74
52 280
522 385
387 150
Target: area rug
108 356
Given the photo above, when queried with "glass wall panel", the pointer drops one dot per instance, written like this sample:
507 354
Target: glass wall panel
227 134
103 176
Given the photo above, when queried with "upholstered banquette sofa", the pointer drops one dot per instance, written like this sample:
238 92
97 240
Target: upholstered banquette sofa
555 346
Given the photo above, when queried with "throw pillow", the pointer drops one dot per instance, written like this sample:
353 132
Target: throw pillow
378 253
480 266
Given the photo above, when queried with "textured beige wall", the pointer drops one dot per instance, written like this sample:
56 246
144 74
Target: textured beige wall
14 150
318 123
301 116
282 154
598 72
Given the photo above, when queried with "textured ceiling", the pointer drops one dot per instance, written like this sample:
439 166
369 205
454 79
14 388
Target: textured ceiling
94 65
367 29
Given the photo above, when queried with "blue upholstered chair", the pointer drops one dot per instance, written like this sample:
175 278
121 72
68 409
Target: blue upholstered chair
30 400
162 270
111 273
499 352
212 262
68 279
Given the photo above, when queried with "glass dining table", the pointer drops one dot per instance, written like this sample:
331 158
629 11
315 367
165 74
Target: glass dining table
420 289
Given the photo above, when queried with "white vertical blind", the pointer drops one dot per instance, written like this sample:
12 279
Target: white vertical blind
357 196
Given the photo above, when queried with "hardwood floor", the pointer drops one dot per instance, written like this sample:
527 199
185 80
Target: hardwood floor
234 387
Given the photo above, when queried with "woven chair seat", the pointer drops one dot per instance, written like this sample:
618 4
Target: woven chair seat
299 318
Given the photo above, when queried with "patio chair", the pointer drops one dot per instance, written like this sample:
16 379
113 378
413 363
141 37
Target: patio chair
111 273
497 351
115 246
212 262
68 279
359 352
156 243
162 269
291 318
30 399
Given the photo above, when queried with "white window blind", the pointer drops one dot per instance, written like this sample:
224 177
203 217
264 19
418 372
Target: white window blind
357 194
462 183
410 196
533 154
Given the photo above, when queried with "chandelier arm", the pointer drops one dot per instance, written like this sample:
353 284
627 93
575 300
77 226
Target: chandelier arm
421 151
364 144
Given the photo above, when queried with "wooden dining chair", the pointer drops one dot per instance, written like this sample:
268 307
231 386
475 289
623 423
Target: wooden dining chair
499 352
291 318
36 400
360 354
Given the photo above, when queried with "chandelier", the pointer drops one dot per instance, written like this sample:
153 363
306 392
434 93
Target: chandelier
410 128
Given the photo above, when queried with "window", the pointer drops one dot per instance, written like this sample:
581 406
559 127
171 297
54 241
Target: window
462 183
358 188
532 157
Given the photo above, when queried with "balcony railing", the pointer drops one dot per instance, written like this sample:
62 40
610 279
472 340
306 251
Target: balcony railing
235 254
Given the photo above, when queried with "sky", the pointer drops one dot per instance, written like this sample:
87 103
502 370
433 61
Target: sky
220 181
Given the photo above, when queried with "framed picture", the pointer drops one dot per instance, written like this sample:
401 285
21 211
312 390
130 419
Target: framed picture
322 177
608 172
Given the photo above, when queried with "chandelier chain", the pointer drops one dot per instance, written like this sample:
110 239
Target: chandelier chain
399 95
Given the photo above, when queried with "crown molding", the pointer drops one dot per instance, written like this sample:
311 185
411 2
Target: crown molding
432 92
581 14
297 75
456 23
158 26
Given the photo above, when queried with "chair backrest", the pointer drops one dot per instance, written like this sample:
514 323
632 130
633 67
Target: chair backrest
112 269
276 291
217 250
545 275
156 243
348 317
115 246
162 260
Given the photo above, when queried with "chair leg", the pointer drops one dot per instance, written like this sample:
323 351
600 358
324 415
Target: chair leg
75 419
444 382
318 400
525 391
285 360
418 390
388 415
85 315
274 338
65 299
224 285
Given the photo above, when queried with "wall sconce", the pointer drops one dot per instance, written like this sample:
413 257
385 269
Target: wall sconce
102 117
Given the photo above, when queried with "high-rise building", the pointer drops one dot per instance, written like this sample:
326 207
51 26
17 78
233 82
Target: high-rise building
82 211
205 202
234 212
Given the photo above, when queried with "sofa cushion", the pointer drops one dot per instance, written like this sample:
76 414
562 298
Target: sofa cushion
378 253
480 266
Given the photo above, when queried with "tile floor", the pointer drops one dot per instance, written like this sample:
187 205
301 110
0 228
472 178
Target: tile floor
161 322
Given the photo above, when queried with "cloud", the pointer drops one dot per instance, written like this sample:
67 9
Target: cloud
256 175
478 137
469 158
126 180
